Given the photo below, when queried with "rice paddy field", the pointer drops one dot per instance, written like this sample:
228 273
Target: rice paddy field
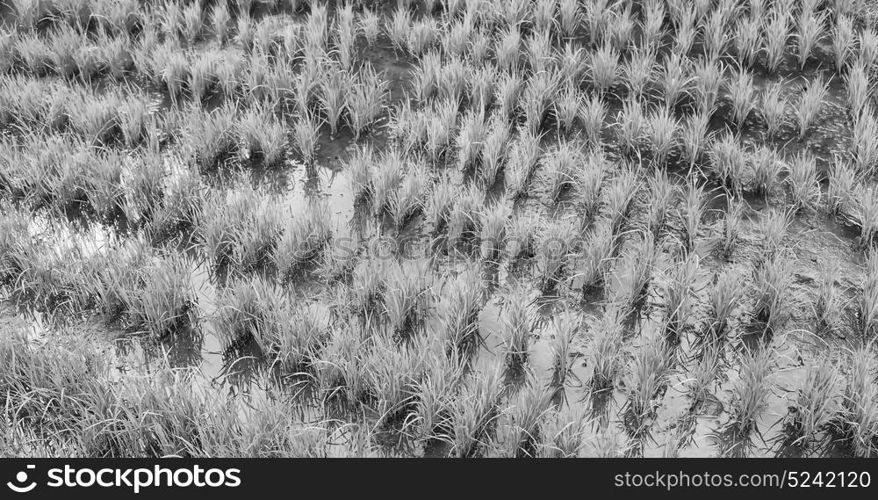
438 228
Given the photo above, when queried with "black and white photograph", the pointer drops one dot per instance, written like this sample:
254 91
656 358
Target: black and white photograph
627 229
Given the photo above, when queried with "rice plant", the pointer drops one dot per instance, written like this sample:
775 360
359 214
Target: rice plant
866 301
773 108
517 322
365 101
742 96
773 294
474 414
843 41
306 134
724 298
776 38
857 423
749 396
810 104
554 247
693 205
729 163
406 298
302 241
678 297
803 183
462 301
646 382
817 403
606 352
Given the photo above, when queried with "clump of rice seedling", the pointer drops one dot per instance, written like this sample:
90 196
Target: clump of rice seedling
386 181
470 141
843 41
810 104
507 95
603 68
748 39
724 297
562 433
841 194
708 77
661 200
263 136
564 326
334 86
406 298
566 108
592 113
523 159
559 170
588 185
440 129
553 254
766 167
619 199
827 302
219 20
810 31
599 249
857 422
866 215
474 414
370 25
632 126
527 413
803 183
492 235
662 129
742 96
704 374
730 232
864 144
729 163
773 108
773 288
646 382
464 219
774 227
816 406
408 201
866 302
691 212
248 310
607 354
210 137
537 99
439 207
748 402
695 137
678 297
674 79
494 151
521 237
857 88
776 37
517 322
302 241
638 71
462 301
239 229
634 274
165 304
306 133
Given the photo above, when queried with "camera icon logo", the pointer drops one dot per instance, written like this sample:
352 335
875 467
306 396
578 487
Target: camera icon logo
21 478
